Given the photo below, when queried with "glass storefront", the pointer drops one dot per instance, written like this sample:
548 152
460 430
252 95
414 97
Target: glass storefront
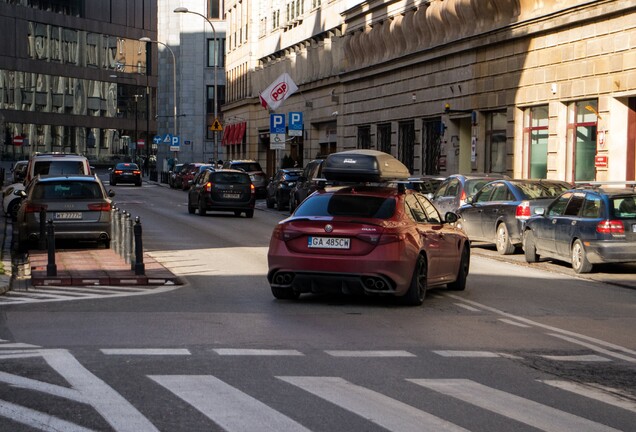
536 129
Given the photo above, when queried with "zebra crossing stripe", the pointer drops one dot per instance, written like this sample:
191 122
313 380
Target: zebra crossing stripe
36 419
228 407
517 408
388 353
382 410
607 395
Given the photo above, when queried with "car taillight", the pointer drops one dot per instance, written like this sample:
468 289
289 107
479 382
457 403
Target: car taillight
118 171
462 198
208 187
286 234
34 208
610 227
379 239
252 189
136 172
103 207
523 210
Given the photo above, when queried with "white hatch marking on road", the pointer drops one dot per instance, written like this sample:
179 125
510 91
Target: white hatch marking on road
387 353
473 354
227 406
37 420
514 323
551 328
607 395
382 410
577 358
145 351
470 308
256 352
594 347
17 345
517 408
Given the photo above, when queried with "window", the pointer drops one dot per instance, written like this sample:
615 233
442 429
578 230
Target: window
415 211
591 207
484 194
220 93
557 208
536 138
496 142
501 193
384 138
575 204
220 52
364 137
582 139
215 9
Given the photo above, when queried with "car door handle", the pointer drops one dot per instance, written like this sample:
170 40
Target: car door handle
553 221
573 223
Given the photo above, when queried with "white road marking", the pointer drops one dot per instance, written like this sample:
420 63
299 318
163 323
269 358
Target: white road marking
17 345
382 410
228 407
470 308
256 352
594 348
607 395
514 323
577 358
36 419
472 354
517 408
387 353
145 351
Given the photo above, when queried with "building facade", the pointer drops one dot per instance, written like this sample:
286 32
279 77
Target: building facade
74 78
530 88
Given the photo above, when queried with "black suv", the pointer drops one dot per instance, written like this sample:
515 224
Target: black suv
306 183
222 190
253 168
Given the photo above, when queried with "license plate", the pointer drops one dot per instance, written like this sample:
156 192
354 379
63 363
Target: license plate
231 196
329 242
127 174
68 215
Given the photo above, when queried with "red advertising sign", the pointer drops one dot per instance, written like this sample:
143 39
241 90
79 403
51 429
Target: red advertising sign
600 161
18 140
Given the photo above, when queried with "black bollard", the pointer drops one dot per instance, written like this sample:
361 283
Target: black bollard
139 249
51 267
42 238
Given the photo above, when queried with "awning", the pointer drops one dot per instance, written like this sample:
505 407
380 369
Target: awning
240 133
224 138
227 134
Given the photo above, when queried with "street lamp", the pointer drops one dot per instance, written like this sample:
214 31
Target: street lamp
174 80
186 10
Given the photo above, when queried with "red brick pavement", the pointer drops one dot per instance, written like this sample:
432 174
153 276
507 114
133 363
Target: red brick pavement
79 267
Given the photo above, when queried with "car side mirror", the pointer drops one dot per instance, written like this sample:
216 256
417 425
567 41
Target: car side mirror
539 211
451 217
470 199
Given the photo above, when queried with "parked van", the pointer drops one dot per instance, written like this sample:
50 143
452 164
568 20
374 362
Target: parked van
56 164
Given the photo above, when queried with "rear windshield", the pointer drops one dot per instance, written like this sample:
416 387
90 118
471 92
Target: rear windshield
67 190
58 167
292 176
348 206
227 177
127 166
247 166
541 190
624 207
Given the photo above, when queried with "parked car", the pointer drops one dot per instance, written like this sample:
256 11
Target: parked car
452 193
427 184
584 227
279 187
222 190
172 175
306 184
497 212
125 172
371 239
253 168
11 199
56 164
79 207
189 173
18 172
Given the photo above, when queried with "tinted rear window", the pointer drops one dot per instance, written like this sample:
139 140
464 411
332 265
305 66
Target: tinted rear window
248 166
59 167
235 178
347 205
624 207
127 166
541 190
67 190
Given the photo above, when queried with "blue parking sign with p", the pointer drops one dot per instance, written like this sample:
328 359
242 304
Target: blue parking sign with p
277 124
295 124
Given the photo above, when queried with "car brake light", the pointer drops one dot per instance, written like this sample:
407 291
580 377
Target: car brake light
104 207
379 239
252 189
118 171
208 187
523 210
136 172
610 227
34 208
284 234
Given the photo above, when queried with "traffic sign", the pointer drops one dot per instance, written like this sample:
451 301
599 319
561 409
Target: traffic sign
277 124
175 144
18 140
216 126
141 143
157 139
167 139
295 124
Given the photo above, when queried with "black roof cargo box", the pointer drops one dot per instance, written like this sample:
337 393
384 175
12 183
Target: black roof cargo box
363 166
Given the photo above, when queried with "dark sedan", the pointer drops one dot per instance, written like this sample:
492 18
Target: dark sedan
584 227
222 190
125 172
280 186
496 213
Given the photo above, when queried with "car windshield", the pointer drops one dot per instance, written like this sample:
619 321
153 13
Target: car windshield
362 206
58 167
248 166
541 190
292 176
624 207
67 190
229 177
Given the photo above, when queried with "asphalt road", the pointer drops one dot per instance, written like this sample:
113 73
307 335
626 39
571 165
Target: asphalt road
524 348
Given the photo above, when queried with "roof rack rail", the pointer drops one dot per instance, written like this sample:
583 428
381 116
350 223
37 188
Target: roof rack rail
599 184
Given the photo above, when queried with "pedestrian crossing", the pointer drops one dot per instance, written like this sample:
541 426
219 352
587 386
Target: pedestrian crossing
41 294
